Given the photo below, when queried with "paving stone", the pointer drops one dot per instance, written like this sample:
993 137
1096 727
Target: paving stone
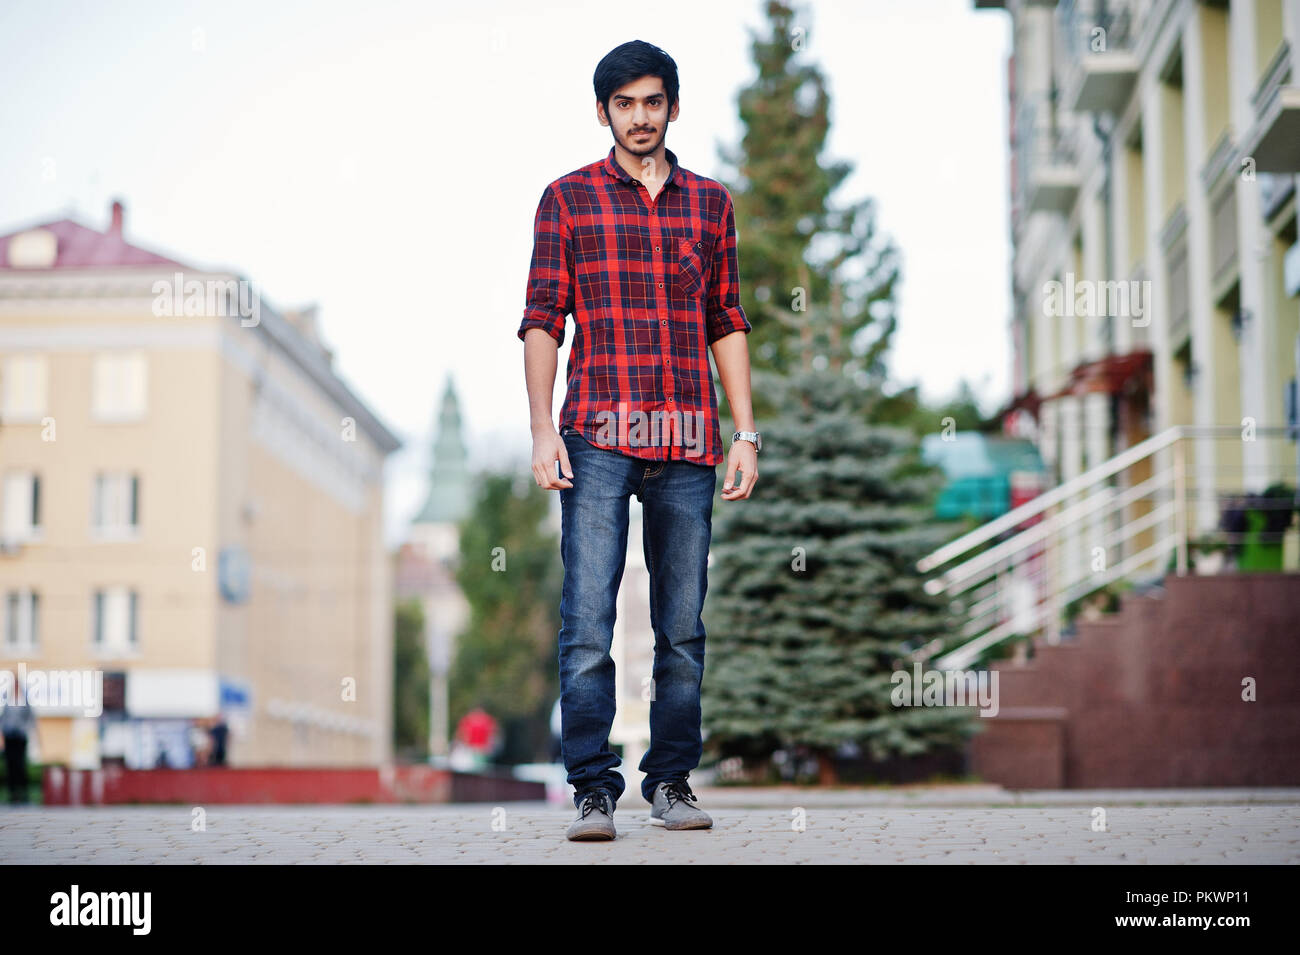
1261 829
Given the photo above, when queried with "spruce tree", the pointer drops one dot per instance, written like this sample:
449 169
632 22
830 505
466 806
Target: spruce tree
814 597
794 240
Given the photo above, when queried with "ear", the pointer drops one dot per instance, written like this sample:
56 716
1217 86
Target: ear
672 115
600 114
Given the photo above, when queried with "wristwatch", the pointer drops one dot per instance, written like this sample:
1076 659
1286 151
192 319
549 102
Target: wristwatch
753 437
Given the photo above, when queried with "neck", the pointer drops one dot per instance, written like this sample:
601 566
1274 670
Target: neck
637 167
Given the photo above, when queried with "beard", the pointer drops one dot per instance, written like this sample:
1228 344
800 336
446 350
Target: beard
640 149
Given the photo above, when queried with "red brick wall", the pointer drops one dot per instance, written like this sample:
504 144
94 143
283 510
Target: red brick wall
324 785
1152 696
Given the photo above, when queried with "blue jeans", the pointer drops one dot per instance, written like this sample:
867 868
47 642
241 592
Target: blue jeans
677 521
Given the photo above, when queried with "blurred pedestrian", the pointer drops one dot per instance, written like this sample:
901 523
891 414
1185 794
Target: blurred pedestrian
200 742
218 731
17 721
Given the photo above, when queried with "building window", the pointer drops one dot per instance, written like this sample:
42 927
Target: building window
115 510
23 390
22 507
115 614
21 614
119 386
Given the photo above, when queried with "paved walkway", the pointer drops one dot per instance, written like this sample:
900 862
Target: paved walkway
936 825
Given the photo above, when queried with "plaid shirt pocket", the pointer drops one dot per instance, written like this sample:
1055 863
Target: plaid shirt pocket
692 270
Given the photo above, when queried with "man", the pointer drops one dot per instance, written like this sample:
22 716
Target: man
643 254
219 731
17 722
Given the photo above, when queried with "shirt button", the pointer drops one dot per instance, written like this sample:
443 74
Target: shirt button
663 321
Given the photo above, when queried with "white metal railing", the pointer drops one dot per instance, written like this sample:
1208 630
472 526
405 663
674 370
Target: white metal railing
1089 27
1128 517
1043 140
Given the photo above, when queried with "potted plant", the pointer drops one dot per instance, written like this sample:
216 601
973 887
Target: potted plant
1267 517
1209 554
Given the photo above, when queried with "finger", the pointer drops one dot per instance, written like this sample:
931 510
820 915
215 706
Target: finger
564 460
558 481
741 490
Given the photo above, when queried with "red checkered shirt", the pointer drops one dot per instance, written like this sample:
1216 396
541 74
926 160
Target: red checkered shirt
651 283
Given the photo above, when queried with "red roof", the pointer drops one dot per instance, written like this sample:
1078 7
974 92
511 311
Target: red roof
80 247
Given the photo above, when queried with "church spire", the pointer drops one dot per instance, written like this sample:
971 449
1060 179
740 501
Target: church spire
448 498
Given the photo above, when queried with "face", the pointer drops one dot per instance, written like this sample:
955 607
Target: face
639 115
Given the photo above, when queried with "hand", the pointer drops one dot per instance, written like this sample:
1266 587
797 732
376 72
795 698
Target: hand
548 446
743 456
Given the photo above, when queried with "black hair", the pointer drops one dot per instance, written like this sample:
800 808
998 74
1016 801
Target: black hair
629 62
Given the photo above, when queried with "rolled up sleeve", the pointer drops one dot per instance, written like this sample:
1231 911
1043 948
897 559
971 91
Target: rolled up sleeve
723 314
549 296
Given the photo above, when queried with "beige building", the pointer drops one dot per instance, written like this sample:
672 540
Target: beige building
192 504
1154 147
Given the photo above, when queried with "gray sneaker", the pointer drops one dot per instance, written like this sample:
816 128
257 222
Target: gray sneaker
672 807
595 819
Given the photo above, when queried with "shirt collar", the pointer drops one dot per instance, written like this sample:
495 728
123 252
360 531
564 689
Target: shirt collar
618 172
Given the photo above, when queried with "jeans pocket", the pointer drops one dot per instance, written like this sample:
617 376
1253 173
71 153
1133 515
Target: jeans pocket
573 439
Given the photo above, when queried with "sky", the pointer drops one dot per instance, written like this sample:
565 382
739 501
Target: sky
384 160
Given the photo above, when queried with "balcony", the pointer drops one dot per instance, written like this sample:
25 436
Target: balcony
1273 142
1047 173
1099 40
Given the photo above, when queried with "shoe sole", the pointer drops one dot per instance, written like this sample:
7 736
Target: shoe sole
592 833
654 821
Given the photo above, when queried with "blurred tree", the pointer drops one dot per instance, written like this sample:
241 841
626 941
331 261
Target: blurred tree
814 595
505 661
410 683
906 408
